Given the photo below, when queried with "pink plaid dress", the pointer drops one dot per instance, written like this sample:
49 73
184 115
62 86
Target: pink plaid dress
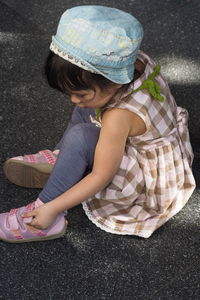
155 179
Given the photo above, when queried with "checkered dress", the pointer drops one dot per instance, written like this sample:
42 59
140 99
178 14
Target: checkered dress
155 179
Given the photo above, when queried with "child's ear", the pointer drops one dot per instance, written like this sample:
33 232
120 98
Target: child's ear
91 93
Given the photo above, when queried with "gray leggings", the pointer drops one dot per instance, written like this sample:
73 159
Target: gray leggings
76 156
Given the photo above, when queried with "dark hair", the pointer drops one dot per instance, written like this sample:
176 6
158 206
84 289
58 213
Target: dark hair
66 77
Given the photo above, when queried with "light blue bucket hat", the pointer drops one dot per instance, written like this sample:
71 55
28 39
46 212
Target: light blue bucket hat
99 39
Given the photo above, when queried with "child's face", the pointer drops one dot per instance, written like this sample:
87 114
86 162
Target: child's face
93 98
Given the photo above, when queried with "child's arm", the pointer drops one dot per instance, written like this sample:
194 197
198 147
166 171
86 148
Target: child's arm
116 126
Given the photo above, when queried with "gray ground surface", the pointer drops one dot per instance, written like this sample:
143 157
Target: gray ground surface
89 263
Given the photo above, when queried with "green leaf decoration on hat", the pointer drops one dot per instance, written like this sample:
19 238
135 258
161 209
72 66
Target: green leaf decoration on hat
151 85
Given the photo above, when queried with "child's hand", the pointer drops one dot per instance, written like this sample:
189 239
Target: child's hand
42 217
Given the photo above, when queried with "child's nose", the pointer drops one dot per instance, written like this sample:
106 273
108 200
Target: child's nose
75 99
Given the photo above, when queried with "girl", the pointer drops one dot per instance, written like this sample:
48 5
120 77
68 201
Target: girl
126 154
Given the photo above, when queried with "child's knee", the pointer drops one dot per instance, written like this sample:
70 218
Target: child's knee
82 135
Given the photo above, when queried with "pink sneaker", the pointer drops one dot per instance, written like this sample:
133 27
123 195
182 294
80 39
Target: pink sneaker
31 170
13 227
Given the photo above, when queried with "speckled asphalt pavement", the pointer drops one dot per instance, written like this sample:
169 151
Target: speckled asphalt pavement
88 263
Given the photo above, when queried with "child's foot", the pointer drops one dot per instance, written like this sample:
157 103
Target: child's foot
14 228
31 170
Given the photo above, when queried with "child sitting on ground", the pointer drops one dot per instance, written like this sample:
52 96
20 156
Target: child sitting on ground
126 154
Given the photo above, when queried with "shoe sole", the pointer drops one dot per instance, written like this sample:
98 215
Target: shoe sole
38 239
27 174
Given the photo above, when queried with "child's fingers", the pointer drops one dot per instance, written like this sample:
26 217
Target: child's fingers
31 221
34 223
28 216
27 220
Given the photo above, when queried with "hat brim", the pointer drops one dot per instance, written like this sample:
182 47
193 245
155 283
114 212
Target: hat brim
118 75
